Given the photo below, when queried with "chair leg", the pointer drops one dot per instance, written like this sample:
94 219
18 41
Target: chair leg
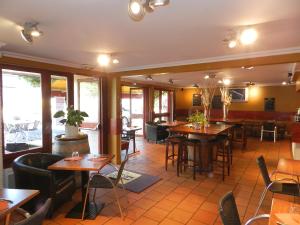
275 136
173 152
262 197
118 202
167 155
84 205
261 135
223 156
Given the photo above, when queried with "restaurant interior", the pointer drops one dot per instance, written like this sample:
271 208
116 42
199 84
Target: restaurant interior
149 112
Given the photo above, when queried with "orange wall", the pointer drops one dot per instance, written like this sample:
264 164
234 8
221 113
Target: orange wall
286 99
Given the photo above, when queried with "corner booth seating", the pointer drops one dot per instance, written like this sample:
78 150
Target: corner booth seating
31 173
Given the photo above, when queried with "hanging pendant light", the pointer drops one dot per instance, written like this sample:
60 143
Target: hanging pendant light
136 10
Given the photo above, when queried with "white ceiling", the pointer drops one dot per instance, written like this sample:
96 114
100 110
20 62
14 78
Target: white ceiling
76 31
260 75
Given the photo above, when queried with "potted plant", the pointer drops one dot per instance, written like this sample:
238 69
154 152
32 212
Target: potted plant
198 120
73 120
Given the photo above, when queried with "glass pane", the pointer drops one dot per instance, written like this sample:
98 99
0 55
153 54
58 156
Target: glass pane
137 109
125 104
156 101
164 101
89 100
22 113
58 102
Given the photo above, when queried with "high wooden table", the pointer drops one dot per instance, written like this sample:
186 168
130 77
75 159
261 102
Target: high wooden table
84 166
281 207
18 197
203 133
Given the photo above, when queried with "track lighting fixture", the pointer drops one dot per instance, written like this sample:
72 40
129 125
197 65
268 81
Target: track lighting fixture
247 36
30 31
171 81
149 77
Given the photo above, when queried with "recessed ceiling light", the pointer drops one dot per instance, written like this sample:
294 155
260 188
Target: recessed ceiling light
284 83
232 44
136 10
195 85
248 36
247 67
220 81
226 82
103 59
206 76
149 77
156 3
115 61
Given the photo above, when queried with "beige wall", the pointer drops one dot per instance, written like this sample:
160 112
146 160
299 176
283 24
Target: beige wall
286 98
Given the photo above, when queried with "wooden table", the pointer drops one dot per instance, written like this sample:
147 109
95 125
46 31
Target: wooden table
172 124
288 167
279 206
131 131
84 166
18 197
212 130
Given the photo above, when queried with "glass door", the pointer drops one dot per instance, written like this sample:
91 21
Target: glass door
89 101
137 109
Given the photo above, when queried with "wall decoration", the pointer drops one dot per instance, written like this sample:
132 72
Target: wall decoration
216 102
196 100
269 104
238 94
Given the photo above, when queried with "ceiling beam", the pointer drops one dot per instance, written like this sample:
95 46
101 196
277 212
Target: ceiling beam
257 61
11 61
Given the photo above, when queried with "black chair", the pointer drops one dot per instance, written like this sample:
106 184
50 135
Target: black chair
270 128
275 186
31 172
229 213
156 133
98 180
38 217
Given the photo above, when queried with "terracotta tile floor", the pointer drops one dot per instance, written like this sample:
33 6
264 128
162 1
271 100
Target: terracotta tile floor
181 200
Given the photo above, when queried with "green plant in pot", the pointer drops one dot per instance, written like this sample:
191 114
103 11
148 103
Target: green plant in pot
72 120
197 119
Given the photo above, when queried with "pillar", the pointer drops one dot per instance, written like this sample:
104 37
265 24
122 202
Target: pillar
114 117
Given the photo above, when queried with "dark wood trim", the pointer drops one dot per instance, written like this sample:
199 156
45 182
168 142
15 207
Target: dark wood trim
70 89
46 112
104 116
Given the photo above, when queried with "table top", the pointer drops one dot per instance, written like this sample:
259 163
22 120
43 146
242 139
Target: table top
229 121
83 164
280 206
17 196
172 124
128 129
288 167
213 129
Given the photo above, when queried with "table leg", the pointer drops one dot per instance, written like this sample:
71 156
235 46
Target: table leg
7 219
134 144
92 208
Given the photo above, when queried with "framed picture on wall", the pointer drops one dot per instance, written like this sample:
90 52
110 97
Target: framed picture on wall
239 94
196 100
269 104
216 102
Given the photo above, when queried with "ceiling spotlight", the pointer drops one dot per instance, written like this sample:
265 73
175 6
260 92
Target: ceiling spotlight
250 84
247 67
206 76
226 82
195 86
30 31
149 77
248 36
232 44
103 59
156 3
220 81
284 83
115 61
136 10
171 81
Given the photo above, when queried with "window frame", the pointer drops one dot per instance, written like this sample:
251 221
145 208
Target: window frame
164 114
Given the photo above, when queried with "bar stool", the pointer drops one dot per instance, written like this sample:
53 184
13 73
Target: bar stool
173 141
224 151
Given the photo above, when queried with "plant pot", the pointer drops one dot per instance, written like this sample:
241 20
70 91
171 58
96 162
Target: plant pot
71 131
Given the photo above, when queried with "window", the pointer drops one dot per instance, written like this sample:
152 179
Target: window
161 105
22 113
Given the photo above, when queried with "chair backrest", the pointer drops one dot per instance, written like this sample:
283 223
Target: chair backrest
38 217
269 125
121 170
263 169
125 122
228 210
